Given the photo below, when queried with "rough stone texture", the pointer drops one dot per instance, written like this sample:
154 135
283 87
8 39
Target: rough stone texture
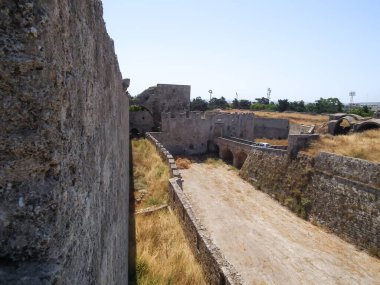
271 128
64 146
299 142
141 121
206 126
342 193
164 98
345 197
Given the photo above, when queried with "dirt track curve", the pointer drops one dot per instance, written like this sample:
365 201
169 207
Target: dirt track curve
265 242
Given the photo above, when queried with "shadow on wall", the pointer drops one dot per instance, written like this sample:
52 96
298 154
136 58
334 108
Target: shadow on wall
132 276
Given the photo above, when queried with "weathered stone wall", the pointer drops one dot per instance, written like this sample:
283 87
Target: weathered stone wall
165 98
141 121
64 146
338 192
216 268
345 197
271 128
193 132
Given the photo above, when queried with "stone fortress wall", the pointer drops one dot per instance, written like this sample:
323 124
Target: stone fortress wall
64 174
193 132
338 192
161 99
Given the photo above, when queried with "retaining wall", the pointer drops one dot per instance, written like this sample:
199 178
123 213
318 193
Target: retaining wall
216 268
341 193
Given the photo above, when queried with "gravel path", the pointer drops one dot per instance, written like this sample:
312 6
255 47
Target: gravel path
265 242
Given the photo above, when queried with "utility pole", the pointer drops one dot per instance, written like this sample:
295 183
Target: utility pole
237 96
210 91
269 91
352 94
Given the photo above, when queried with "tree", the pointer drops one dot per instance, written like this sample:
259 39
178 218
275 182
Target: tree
298 106
262 100
198 104
329 105
362 111
235 104
216 103
283 105
244 104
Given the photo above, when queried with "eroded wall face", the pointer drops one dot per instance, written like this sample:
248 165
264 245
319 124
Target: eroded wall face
64 146
339 192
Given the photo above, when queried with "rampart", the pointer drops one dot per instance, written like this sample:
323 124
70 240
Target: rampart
64 146
216 268
164 98
338 192
193 132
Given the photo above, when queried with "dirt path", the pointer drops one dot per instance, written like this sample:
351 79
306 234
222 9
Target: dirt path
266 243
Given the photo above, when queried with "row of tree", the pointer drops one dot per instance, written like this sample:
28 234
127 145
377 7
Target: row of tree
329 105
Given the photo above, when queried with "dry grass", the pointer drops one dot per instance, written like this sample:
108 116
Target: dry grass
163 255
298 118
183 162
283 142
364 145
150 173
214 162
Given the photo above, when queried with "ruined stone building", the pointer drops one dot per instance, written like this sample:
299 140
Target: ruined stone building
156 100
64 146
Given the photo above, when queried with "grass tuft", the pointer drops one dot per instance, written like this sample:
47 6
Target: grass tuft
182 162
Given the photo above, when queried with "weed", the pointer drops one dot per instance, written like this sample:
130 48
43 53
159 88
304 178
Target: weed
183 162
154 201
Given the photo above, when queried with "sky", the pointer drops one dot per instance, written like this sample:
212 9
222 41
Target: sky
301 49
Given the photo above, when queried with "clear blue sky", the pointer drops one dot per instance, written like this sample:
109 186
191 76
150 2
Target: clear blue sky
301 49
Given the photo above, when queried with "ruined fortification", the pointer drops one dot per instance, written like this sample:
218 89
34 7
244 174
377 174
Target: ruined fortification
159 99
193 132
64 146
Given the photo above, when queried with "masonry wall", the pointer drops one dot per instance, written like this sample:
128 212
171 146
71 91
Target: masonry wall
165 98
141 121
338 192
64 146
193 132
271 128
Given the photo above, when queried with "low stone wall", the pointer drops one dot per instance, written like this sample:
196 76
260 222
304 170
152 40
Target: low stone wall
341 193
216 268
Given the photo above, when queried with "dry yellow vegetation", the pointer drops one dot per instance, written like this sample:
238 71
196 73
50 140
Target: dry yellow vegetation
298 118
182 162
364 145
163 255
283 142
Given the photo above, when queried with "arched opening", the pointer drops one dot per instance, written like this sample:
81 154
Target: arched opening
227 156
211 147
367 126
342 127
134 133
240 159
